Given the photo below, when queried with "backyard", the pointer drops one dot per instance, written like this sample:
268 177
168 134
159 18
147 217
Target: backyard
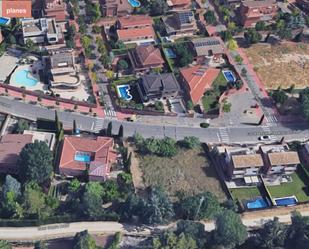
245 193
297 187
180 174
210 98
281 65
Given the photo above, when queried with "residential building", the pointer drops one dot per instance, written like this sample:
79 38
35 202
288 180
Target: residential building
279 159
96 155
303 4
196 80
134 21
181 23
41 31
207 47
144 35
243 163
252 11
144 58
111 8
48 137
55 9
179 4
64 74
156 86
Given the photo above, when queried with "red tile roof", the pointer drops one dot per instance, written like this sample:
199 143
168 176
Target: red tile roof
199 78
100 150
149 55
135 21
135 34
180 2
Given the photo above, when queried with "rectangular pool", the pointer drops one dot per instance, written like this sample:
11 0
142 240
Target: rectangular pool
229 76
82 157
286 201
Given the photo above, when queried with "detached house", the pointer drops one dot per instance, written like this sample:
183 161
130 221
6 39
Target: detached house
157 86
252 11
196 80
112 8
144 58
179 4
181 23
134 21
55 9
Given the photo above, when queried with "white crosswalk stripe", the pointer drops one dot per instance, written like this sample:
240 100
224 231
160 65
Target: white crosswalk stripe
271 119
110 113
223 132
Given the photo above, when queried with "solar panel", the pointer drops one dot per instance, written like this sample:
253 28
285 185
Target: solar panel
185 17
207 43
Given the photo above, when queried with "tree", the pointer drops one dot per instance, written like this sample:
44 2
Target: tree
29 44
158 7
232 44
210 17
58 124
96 29
229 230
86 41
92 200
252 36
183 54
110 191
190 142
201 206
271 235
21 126
74 127
120 132
83 240
40 245
74 186
125 182
298 231
122 65
109 74
36 161
279 96
167 147
11 185
238 59
190 105
304 100
226 106
260 25
5 244
109 130
170 240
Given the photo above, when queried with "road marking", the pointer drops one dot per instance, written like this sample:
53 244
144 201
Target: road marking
224 134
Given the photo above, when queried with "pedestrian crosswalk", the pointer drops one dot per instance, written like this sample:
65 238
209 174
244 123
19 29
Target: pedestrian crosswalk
271 119
110 113
223 134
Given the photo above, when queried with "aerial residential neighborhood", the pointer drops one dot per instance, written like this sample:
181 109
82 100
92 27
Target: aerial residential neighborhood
179 124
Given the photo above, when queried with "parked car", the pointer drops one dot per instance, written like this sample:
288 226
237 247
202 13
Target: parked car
265 138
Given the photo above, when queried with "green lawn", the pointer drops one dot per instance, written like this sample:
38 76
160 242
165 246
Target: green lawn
292 188
245 193
210 98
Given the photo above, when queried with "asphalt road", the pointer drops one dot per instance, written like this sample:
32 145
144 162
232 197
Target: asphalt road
242 134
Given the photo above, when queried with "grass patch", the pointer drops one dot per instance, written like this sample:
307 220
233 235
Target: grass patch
180 174
297 188
124 80
245 193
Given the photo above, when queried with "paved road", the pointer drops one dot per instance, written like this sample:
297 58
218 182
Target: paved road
242 134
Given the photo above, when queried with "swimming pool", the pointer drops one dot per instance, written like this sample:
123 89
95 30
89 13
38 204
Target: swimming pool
170 53
24 78
124 92
82 157
229 76
257 203
286 201
134 3
4 21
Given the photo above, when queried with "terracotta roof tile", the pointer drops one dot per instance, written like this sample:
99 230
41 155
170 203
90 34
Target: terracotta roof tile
133 21
245 161
137 33
149 55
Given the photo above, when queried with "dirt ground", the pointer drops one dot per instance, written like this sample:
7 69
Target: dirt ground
281 65
188 172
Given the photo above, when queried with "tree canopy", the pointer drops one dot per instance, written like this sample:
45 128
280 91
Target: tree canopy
83 240
92 200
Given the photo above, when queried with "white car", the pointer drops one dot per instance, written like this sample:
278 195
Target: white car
265 138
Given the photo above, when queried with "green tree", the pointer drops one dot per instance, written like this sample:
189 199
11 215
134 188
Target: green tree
194 230
252 36
29 44
184 56
58 124
229 230
120 132
11 185
74 127
279 96
86 41
298 231
271 235
167 147
40 245
190 142
83 240
122 65
260 25
158 7
21 126
226 106
210 17
238 59
232 44
304 100
201 206
5 244
74 186
36 162
92 200
170 240
110 191
125 182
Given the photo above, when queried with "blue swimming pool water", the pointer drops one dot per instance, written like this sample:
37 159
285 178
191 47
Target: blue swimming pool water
257 203
288 201
124 92
134 3
170 53
4 20
229 76
24 78
82 157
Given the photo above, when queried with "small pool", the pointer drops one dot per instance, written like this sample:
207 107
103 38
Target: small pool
24 78
257 203
124 92
170 53
286 201
134 3
4 21
82 157
229 76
